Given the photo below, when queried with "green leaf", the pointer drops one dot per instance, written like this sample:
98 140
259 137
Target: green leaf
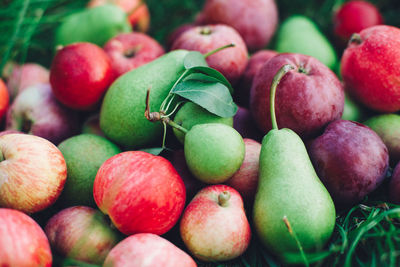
153 150
213 96
213 73
194 59
201 77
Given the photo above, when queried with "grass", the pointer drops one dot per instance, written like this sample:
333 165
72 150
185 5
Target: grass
366 235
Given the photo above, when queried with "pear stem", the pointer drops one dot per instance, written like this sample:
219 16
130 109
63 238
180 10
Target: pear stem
176 126
218 49
275 82
293 234
223 198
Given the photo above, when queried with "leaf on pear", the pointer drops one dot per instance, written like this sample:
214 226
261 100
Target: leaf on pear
213 73
194 59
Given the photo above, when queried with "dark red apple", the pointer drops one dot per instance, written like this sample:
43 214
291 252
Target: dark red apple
355 16
231 62
128 51
22 241
177 32
394 185
80 75
255 20
370 68
307 98
243 123
4 99
350 159
140 192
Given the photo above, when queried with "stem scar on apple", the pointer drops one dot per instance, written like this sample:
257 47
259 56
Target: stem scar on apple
223 198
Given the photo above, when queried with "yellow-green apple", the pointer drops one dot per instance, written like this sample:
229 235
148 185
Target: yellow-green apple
140 192
147 250
128 51
32 172
4 100
231 62
22 241
81 233
36 111
214 225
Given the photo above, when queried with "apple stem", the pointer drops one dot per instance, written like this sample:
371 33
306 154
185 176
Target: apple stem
218 49
223 198
293 234
355 38
275 82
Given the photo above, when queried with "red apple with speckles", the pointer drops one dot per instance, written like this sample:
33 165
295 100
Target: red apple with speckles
245 180
4 100
147 250
255 20
214 225
128 51
370 68
355 16
81 233
140 192
22 242
307 98
32 172
350 159
231 62
256 61
80 74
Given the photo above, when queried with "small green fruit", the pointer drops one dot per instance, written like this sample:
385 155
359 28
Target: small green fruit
351 111
213 152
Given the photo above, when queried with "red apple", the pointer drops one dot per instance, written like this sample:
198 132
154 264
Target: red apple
370 68
36 111
307 98
255 20
214 226
128 51
4 99
231 62
177 32
81 233
147 250
355 16
245 180
243 123
22 241
394 185
80 75
140 192
32 172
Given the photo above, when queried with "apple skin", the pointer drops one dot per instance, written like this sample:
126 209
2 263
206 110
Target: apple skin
394 185
307 98
231 62
92 125
213 232
9 132
370 68
245 180
255 20
4 100
32 170
355 16
147 250
22 242
243 123
128 51
80 75
140 192
350 159
81 233
177 32
36 111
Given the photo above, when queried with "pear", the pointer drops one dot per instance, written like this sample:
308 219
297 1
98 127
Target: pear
191 114
122 113
298 34
292 208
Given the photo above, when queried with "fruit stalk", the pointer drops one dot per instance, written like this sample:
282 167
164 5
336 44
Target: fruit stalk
218 49
223 198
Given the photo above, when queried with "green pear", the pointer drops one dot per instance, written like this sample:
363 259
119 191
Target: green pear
292 207
191 114
213 152
298 34
122 112
94 25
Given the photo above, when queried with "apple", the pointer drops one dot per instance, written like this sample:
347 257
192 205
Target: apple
22 241
214 226
394 185
80 75
255 20
140 192
9 132
147 250
370 68
32 172
308 97
177 32
36 111
244 123
81 233
128 51
231 62
92 125
4 100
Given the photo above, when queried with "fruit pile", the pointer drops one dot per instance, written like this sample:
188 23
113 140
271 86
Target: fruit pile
208 148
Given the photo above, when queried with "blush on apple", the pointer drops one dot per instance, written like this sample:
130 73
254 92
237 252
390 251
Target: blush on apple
4 100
